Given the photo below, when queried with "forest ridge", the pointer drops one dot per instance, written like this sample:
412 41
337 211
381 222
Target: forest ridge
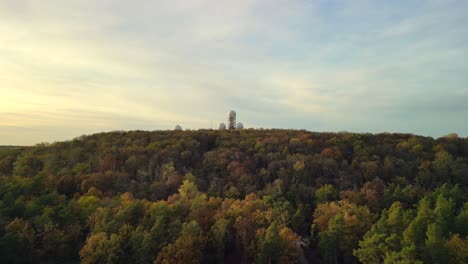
241 196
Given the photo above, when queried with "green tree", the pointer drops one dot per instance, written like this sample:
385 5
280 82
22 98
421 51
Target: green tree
461 221
219 239
326 193
188 190
415 233
17 244
384 237
270 248
435 251
28 164
331 240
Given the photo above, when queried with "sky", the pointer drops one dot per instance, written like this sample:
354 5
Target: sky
75 67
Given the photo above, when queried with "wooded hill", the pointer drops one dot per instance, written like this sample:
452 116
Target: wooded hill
250 196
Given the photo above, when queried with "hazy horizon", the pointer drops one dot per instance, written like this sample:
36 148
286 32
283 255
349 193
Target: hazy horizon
69 68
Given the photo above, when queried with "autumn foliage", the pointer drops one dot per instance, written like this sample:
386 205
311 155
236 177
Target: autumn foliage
248 196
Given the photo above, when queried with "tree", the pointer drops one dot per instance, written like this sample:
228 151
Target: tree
435 245
186 249
55 244
326 193
331 239
87 205
17 245
457 249
219 238
291 248
415 233
461 221
271 245
384 237
442 166
444 214
95 249
356 221
27 164
298 220
372 192
188 190
132 197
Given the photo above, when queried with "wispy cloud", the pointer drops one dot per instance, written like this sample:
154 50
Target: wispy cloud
75 67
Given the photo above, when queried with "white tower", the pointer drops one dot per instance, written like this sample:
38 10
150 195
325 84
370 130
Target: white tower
222 126
232 119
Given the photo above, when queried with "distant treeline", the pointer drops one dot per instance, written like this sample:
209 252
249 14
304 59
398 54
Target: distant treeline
243 196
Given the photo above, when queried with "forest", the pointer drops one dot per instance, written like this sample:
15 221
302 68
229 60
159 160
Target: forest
236 196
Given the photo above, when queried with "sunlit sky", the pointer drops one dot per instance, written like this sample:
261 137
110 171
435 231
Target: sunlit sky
70 67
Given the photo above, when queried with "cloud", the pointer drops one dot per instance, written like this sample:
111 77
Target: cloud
82 66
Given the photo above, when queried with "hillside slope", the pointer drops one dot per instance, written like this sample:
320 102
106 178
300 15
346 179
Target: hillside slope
251 195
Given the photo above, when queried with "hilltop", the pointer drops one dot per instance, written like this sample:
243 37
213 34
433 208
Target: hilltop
248 195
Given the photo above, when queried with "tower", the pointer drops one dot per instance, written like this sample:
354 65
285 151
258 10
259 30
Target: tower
232 119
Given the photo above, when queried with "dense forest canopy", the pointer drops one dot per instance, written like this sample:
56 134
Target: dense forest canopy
242 196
